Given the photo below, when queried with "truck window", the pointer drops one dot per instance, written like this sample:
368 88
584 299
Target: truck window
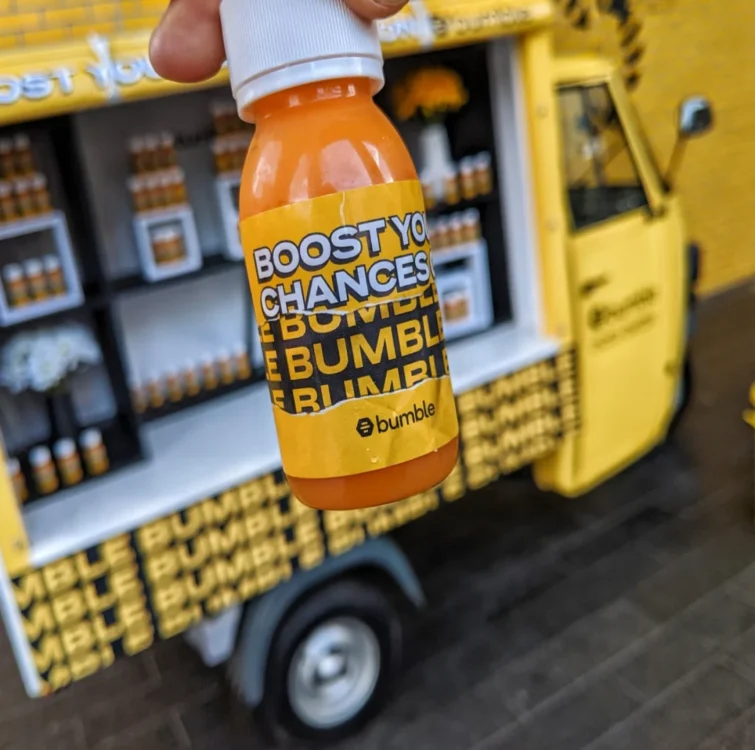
601 176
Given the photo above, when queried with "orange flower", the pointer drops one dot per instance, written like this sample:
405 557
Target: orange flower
431 92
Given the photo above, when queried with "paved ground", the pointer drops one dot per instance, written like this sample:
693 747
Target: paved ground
622 621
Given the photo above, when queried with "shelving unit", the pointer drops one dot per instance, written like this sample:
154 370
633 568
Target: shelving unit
211 265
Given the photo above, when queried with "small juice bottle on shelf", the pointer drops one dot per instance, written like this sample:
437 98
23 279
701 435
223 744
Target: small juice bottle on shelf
468 178
456 225
139 398
69 463
191 380
43 470
451 190
209 374
484 172
138 155
151 153
53 271
35 278
18 479
156 392
174 386
23 156
139 194
8 211
225 366
94 451
40 194
167 156
14 281
241 360
7 159
335 236
24 197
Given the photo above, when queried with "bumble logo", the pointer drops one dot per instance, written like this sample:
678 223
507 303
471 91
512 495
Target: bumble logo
418 413
365 427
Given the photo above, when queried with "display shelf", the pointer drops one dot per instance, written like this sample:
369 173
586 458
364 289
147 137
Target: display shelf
55 223
122 451
212 264
204 397
443 209
179 220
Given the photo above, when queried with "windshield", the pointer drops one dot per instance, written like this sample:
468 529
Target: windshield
602 180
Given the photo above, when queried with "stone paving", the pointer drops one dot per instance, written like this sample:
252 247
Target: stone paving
624 620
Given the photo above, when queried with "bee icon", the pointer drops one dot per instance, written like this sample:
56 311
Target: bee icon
365 427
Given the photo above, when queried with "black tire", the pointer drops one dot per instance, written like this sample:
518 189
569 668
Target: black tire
687 385
341 602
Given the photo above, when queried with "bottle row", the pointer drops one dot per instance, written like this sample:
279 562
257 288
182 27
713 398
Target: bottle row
155 190
229 152
24 197
34 280
176 385
16 158
470 179
225 119
168 245
67 469
152 153
456 229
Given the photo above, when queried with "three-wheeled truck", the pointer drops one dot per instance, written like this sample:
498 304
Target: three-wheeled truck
577 364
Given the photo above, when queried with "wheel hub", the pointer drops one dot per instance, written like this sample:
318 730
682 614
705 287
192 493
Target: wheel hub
333 672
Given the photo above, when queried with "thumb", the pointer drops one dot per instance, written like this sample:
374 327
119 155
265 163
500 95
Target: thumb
373 9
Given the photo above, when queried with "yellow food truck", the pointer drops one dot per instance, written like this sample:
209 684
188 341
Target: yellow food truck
567 321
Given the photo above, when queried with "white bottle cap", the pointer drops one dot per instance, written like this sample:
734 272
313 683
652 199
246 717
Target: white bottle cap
33 267
275 45
52 263
64 448
13 272
90 438
39 456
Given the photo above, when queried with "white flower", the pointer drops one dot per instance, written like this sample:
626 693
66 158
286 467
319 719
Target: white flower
41 360
46 368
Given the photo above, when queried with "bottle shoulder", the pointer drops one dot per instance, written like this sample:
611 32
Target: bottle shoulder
295 158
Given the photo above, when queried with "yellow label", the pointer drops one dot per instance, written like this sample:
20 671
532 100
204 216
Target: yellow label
351 330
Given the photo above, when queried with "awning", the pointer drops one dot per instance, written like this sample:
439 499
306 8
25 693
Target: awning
38 81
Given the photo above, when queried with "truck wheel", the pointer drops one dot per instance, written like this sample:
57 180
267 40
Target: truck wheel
331 664
683 397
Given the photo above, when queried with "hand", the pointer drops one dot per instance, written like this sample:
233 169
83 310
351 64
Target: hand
187 46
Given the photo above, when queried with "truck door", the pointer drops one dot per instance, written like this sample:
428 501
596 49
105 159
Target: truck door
626 286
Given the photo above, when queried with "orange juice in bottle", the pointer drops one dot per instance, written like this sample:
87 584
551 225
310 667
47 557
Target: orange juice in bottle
335 237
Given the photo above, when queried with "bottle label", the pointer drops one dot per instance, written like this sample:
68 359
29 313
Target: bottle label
351 330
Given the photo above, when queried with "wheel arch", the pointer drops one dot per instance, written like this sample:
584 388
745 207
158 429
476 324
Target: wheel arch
381 559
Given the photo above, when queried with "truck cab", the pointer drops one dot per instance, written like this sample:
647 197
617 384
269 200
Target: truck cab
628 277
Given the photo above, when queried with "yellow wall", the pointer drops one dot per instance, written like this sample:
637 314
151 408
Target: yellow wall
692 47
25 23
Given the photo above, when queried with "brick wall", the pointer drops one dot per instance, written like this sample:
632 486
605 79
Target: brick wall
28 22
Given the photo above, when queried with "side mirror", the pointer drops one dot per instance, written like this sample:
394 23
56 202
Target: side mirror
695 117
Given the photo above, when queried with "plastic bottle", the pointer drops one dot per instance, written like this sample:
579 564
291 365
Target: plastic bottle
327 171
69 463
95 452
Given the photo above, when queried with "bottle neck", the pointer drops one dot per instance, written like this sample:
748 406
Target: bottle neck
311 95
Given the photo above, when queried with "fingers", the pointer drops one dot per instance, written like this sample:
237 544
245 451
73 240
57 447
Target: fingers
373 9
187 46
